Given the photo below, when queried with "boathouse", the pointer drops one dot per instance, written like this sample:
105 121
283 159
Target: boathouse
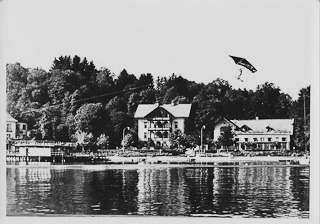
39 150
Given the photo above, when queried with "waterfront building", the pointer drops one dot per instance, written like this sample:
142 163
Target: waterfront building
156 121
16 129
264 134
44 150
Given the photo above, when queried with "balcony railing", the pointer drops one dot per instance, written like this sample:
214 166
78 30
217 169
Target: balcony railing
161 119
42 143
159 129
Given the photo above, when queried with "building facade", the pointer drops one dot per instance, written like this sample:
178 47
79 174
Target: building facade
156 122
15 129
264 134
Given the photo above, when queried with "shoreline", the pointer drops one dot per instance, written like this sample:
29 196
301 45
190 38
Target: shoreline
165 161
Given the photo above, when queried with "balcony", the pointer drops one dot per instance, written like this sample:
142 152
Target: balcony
161 119
159 129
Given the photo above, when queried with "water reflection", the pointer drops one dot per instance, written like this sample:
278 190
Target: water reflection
256 191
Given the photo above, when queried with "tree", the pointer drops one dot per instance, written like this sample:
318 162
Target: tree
177 138
180 99
147 96
104 81
124 79
133 102
170 94
91 118
301 115
83 138
128 140
118 121
45 126
117 104
227 137
145 80
62 63
102 140
269 103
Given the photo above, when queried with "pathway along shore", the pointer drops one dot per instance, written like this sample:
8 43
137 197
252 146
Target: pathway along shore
172 160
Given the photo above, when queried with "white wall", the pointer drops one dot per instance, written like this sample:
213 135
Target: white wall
142 129
216 132
265 136
13 132
35 151
181 124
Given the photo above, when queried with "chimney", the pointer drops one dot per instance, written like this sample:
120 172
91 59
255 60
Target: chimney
257 118
157 104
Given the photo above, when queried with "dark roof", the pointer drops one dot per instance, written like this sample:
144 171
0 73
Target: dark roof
178 111
264 125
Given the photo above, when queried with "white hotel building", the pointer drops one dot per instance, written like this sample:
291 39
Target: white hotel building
156 122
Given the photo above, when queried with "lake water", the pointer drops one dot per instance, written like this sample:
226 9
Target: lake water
265 190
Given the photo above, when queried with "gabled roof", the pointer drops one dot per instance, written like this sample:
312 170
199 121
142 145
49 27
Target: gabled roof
10 118
178 111
265 125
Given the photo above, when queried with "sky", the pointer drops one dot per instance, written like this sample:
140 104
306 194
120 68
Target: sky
194 39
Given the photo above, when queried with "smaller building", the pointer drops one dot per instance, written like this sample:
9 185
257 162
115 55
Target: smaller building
16 129
264 134
38 150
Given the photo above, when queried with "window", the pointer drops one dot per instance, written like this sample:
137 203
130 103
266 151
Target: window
145 124
284 139
158 134
237 139
175 124
269 139
255 139
145 135
9 128
245 139
24 127
261 139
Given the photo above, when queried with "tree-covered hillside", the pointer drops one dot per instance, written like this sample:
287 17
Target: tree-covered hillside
76 96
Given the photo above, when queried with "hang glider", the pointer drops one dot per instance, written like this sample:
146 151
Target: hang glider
243 62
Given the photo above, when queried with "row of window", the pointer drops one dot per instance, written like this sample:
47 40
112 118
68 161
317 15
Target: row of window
161 125
157 135
262 139
9 127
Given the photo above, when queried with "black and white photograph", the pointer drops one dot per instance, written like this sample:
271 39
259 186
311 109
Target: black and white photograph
160 111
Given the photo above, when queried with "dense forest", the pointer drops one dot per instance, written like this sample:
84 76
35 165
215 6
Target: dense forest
75 99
